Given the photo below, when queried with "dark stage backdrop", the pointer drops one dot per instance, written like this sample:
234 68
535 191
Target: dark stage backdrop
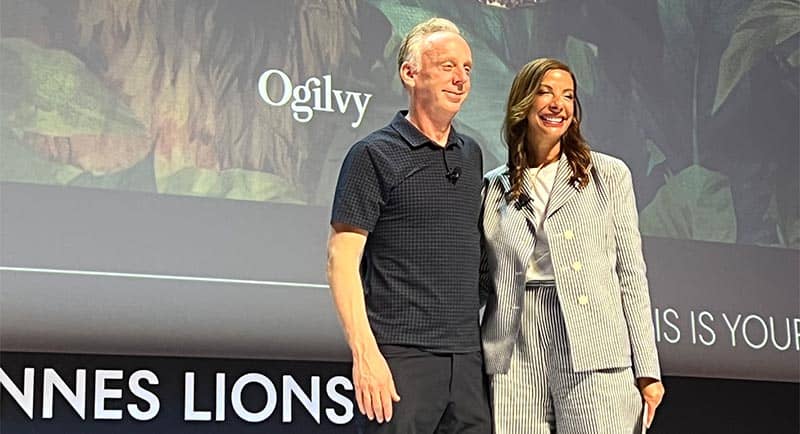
167 168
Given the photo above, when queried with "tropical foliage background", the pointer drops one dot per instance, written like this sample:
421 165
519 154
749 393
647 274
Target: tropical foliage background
699 98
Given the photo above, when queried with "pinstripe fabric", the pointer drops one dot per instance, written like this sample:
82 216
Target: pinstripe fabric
540 394
599 269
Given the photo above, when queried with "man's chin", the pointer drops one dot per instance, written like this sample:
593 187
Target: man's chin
445 110
456 99
454 106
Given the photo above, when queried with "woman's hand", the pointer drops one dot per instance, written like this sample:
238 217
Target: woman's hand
652 392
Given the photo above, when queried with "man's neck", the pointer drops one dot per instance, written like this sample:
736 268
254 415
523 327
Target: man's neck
435 129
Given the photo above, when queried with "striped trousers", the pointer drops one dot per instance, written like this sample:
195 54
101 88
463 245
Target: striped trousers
541 394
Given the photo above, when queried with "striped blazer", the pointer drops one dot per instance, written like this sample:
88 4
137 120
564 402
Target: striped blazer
595 247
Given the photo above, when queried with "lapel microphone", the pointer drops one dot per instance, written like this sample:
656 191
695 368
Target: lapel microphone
453 174
522 201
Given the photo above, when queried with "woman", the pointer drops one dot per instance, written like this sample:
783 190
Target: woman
567 332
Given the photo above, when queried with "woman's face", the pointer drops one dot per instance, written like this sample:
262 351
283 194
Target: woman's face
553 108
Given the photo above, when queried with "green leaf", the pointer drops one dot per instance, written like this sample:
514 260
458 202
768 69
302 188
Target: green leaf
62 98
139 177
687 16
786 224
20 164
679 35
794 58
238 184
764 25
656 156
14 87
790 233
402 18
694 204
582 58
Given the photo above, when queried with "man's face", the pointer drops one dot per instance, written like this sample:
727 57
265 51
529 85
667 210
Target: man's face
441 81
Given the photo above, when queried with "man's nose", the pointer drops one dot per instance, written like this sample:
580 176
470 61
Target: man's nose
461 76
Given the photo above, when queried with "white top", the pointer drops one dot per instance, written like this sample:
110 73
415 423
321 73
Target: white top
540 183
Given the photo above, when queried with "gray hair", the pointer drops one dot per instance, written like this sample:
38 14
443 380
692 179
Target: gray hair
411 47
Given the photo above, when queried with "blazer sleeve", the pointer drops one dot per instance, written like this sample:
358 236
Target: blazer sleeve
631 272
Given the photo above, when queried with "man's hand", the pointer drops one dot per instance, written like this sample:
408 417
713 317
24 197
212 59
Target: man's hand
652 392
372 378
374 385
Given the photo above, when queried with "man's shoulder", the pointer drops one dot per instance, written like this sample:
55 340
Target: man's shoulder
384 140
468 142
466 138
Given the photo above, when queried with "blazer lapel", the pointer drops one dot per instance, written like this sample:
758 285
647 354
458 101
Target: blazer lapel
517 205
563 189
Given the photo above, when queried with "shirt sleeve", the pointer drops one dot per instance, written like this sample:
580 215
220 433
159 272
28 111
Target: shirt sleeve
358 199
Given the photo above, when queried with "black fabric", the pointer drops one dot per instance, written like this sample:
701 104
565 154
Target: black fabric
439 393
421 259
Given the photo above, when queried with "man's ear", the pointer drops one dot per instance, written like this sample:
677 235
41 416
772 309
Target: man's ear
408 74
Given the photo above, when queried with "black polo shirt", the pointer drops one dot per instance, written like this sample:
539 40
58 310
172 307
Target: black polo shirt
421 259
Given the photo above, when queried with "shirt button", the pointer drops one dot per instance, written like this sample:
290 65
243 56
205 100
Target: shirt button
568 234
577 266
583 299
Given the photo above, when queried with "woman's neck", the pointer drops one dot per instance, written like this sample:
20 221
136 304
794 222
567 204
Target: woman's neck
541 154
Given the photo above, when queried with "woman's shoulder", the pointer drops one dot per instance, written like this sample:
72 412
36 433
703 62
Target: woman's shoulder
608 164
496 173
497 178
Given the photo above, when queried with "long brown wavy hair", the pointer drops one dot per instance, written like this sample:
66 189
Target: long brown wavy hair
515 126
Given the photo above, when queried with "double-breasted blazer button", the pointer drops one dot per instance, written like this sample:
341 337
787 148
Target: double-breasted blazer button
568 234
577 266
583 299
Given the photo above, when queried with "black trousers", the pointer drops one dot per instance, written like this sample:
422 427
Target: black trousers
439 393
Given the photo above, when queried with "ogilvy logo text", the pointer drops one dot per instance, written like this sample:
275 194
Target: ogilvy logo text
316 94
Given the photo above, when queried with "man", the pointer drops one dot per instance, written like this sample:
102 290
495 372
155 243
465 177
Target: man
404 251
